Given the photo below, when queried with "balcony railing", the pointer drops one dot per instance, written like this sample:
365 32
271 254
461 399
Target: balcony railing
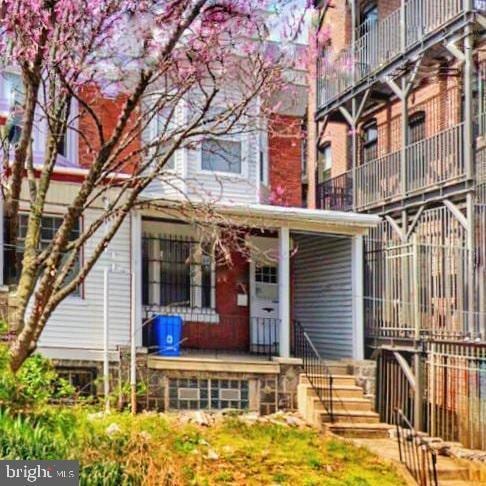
432 162
336 193
379 44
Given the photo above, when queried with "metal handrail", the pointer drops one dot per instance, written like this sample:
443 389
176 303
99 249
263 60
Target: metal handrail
315 368
415 452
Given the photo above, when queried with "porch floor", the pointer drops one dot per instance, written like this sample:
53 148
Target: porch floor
220 361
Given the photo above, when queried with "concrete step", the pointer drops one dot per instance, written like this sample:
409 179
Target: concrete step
360 430
345 404
340 391
336 379
450 470
350 416
456 482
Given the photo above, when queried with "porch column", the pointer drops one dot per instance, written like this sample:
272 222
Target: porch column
284 291
136 269
358 300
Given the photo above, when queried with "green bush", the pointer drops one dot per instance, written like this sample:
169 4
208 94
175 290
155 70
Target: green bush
34 384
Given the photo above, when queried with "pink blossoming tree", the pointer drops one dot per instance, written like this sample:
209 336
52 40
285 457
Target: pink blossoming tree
148 57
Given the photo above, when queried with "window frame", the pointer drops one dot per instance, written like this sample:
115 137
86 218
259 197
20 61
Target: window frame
79 293
325 160
231 139
416 120
155 151
153 263
71 156
367 144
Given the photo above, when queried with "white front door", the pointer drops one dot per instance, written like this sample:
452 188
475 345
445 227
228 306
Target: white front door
264 309
264 323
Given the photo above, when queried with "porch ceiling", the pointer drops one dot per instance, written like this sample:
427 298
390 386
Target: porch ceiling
271 217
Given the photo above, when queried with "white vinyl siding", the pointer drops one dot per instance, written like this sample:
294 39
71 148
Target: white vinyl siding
323 293
78 323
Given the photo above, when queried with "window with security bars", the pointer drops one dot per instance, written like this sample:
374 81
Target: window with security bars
208 394
82 379
177 272
14 250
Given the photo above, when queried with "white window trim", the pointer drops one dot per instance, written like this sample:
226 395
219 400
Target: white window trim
72 298
197 313
243 174
40 124
72 149
153 133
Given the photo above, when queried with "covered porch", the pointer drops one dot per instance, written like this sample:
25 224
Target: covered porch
303 268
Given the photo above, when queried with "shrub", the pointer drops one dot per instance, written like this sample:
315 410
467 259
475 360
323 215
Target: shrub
34 384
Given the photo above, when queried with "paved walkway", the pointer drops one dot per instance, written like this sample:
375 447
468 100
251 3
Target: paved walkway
449 471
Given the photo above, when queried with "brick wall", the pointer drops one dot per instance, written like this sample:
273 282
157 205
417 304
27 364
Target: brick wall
284 158
232 333
108 111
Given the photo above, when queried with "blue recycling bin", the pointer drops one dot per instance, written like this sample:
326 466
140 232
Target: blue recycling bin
167 331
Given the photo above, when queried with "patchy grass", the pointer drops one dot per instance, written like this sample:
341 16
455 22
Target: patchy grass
154 449
273 454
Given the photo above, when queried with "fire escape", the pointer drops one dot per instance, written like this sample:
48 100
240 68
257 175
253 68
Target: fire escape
425 274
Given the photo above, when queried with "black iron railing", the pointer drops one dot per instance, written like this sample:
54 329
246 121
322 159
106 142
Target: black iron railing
415 452
264 332
221 334
315 368
336 193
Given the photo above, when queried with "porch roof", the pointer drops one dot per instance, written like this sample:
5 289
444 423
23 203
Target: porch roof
275 217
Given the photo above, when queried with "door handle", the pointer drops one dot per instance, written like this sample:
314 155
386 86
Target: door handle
268 309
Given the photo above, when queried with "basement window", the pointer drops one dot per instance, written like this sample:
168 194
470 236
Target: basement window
208 394
82 379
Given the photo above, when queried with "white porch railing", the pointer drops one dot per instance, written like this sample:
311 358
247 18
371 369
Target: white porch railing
378 180
431 162
379 44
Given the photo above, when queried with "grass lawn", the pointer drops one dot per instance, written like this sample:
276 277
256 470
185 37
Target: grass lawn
157 449
233 452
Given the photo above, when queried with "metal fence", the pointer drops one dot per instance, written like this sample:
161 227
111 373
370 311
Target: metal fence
336 193
228 334
415 452
393 389
455 386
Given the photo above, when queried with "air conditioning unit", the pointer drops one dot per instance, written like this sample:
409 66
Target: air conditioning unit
229 394
188 393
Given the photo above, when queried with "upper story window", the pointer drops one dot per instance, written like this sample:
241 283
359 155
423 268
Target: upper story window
221 155
368 17
416 127
14 250
370 141
162 126
325 161
15 93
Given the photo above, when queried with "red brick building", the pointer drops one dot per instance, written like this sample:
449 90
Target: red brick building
396 117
